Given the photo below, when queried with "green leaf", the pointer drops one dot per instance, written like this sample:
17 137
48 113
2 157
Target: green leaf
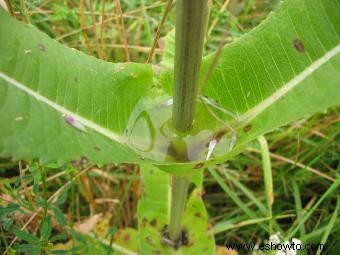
78 237
58 104
59 237
62 198
59 216
46 227
111 231
24 247
128 239
41 80
7 223
285 69
26 236
10 208
153 217
35 251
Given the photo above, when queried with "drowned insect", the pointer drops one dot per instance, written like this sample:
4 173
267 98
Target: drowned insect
218 136
69 119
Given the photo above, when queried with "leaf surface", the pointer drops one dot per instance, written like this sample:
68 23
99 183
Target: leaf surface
153 213
58 104
285 69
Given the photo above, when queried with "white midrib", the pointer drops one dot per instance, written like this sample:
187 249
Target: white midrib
86 122
246 117
253 112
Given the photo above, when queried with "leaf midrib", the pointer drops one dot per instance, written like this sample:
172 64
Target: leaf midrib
244 118
63 111
287 87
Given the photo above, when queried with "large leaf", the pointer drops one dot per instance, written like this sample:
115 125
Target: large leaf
58 104
287 68
41 81
153 213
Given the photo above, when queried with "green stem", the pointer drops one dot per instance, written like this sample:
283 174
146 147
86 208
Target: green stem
191 20
179 192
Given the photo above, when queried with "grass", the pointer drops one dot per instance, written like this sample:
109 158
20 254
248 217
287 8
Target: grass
304 156
305 164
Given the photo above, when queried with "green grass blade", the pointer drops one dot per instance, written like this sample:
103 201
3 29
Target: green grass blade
231 194
298 205
330 225
268 177
329 191
252 197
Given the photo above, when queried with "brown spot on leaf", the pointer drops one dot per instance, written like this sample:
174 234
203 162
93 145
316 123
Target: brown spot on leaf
190 244
41 47
96 148
153 223
118 233
144 222
156 253
198 166
247 128
149 240
298 45
81 163
197 214
200 193
84 160
126 237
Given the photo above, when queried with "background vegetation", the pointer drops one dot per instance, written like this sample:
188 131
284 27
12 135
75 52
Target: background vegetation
44 208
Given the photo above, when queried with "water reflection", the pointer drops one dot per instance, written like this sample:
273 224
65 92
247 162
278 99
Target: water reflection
150 133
